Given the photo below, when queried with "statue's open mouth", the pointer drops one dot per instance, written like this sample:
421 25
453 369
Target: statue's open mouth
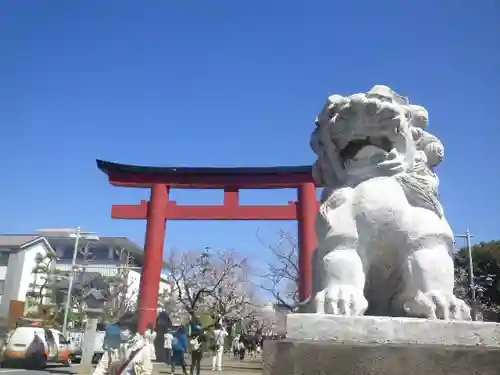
354 146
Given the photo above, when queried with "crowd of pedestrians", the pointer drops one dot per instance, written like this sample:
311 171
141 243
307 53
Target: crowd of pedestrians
213 343
178 344
247 345
126 351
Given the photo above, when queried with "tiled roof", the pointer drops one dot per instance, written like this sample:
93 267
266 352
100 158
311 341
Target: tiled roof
121 242
16 240
80 281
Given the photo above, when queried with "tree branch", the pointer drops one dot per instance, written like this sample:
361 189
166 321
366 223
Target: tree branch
282 276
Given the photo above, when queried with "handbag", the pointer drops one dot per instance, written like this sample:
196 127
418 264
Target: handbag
195 344
120 369
213 345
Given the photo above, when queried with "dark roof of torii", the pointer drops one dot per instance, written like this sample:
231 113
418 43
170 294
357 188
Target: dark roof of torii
110 167
206 177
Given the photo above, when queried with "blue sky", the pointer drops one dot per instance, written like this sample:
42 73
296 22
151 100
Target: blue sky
229 83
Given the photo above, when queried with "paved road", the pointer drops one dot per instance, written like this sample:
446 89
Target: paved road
50 370
231 367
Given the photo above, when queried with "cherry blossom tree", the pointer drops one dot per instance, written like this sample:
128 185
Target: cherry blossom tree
213 281
234 298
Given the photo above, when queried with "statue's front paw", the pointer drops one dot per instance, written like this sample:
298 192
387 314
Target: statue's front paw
437 305
460 310
345 300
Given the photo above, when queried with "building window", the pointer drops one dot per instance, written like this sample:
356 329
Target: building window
2 285
60 252
68 252
4 259
62 339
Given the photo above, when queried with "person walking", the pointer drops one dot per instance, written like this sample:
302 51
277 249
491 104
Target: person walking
150 336
242 346
167 345
252 346
179 349
217 347
235 346
196 345
126 352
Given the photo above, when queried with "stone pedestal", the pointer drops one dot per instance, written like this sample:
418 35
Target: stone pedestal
325 344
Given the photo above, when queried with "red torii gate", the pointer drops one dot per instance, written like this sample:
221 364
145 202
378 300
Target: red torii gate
160 208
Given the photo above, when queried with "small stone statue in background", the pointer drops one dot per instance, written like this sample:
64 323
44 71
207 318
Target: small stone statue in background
384 244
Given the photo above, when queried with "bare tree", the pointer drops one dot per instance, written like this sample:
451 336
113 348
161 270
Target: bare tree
208 281
282 275
168 302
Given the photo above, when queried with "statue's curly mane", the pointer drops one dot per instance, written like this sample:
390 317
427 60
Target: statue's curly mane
419 193
356 137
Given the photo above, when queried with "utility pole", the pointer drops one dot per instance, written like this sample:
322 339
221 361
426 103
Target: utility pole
78 235
71 280
472 286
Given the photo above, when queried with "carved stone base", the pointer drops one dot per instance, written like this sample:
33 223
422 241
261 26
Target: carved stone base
326 344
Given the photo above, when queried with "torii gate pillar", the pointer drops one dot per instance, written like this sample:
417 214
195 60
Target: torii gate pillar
153 256
307 209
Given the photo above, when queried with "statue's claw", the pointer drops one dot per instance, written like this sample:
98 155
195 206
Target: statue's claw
438 305
341 300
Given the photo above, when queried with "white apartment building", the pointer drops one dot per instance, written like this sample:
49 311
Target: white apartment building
109 256
18 255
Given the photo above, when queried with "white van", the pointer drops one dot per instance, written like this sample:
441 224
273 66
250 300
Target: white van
76 339
35 346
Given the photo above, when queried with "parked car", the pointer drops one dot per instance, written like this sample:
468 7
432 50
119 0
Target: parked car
76 341
35 346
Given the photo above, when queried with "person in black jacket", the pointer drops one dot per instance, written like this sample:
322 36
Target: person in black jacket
242 346
196 344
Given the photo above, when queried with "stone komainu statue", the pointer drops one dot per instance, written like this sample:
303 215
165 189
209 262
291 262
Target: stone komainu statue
384 244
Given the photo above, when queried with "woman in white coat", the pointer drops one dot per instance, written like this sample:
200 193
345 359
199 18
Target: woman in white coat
150 336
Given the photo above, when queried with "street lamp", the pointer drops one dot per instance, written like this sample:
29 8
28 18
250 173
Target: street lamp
77 234
472 286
